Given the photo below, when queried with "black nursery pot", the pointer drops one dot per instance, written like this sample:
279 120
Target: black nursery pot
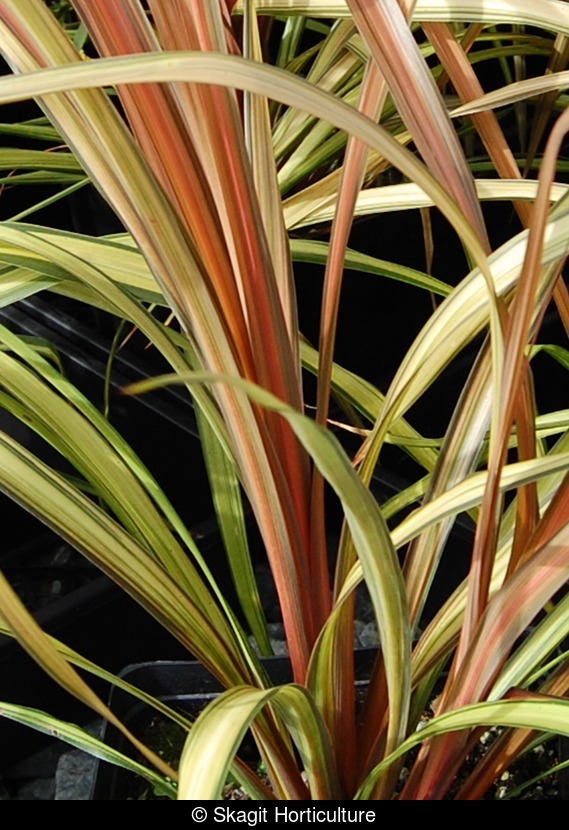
187 687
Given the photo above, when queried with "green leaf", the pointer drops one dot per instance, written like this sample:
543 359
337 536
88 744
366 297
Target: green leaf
15 158
228 503
558 353
78 738
544 715
309 250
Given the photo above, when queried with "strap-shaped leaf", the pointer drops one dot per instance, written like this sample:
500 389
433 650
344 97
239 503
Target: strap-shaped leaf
552 14
78 738
544 715
218 731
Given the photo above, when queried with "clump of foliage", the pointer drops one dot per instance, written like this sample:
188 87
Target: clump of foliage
195 165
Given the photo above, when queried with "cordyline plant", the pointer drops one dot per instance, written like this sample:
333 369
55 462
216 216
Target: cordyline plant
216 124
